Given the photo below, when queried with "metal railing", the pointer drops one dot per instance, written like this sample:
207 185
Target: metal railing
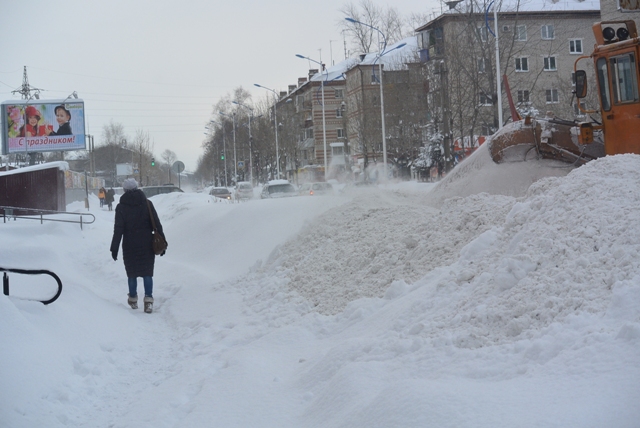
38 214
5 281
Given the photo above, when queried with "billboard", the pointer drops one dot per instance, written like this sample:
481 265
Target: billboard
42 126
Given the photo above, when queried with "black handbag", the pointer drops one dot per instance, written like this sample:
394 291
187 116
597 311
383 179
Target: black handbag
158 242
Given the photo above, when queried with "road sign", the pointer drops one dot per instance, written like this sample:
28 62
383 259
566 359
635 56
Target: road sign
240 164
177 166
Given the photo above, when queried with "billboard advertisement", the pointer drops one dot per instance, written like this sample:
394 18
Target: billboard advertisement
42 126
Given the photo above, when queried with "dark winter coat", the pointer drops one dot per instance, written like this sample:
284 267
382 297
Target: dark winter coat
64 129
133 226
110 196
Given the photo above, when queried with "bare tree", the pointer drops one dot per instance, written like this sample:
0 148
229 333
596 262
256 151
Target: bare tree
113 133
365 39
169 157
142 147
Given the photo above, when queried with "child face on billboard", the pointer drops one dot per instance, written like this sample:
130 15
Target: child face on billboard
61 116
33 120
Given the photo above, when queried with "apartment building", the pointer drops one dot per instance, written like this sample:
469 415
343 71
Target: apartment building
537 48
317 106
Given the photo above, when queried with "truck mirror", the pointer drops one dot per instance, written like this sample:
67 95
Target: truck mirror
581 83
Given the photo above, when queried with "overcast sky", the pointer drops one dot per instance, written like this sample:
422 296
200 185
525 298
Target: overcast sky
159 66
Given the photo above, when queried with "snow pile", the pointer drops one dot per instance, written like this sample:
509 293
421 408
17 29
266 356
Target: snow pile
332 261
515 266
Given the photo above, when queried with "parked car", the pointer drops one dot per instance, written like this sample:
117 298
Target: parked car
244 191
278 189
319 188
150 191
221 192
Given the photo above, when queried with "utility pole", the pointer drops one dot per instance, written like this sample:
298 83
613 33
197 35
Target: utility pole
25 92
25 89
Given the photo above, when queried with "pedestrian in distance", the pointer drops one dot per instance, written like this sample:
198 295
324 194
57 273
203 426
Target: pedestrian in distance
102 194
111 195
133 226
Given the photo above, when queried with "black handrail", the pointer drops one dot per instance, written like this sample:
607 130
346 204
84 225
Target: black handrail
10 212
5 281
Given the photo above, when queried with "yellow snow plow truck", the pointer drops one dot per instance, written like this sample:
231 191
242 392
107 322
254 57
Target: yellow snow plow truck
615 59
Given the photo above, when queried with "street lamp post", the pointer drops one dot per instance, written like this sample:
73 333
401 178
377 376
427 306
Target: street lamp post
275 124
235 161
380 54
324 125
250 140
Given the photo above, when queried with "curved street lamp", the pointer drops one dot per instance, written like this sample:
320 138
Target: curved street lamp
275 124
324 125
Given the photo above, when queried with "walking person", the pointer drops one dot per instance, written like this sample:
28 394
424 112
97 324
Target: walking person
111 195
133 227
101 195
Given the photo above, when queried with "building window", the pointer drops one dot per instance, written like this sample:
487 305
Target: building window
546 32
575 46
552 96
521 33
340 132
339 93
339 113
522 64
485 99
523 96
576 110
375 79
308 133
481 66
550 63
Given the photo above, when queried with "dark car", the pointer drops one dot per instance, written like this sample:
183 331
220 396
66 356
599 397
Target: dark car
221 192
319 188
278 189
150 191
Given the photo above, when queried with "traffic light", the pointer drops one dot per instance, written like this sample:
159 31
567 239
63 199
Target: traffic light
153 162
222 156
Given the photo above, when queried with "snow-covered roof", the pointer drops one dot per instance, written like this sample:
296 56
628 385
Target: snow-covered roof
394 55
529 6
61 165
335 72
548 5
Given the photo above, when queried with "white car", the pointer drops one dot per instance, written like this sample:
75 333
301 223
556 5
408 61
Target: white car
278 189
244 191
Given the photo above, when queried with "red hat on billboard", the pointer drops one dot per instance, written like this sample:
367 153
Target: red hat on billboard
32 111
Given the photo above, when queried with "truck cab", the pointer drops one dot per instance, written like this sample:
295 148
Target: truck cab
615 59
